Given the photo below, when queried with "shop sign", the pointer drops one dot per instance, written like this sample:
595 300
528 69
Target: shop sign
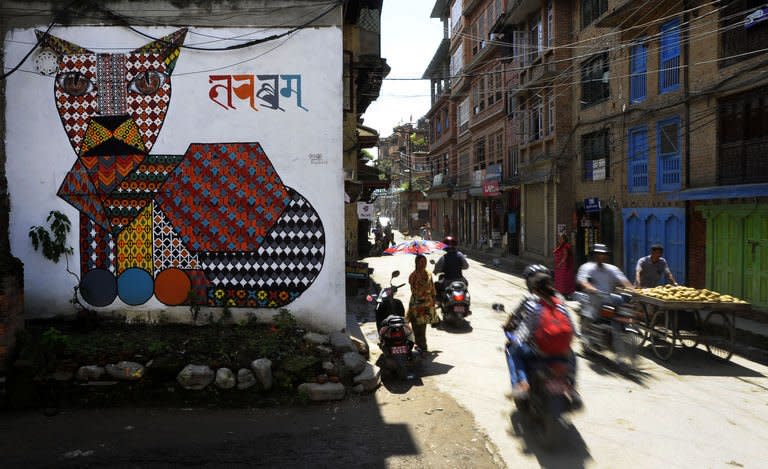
490 188
757 16
364 211
493 172
592 205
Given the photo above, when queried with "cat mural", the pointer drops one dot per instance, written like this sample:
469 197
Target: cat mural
215 226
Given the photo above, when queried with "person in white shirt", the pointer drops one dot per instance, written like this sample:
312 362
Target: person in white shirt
598 278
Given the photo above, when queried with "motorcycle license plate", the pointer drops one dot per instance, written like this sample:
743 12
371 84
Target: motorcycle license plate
459 309
556 386
399 350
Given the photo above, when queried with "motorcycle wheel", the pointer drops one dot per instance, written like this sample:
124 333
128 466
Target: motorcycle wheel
628 343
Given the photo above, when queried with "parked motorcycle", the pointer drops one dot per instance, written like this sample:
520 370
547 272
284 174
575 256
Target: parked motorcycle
397 346
454 300
386 303
614 328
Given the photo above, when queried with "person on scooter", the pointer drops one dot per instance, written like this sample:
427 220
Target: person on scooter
597 279
523 346
451 264
421 308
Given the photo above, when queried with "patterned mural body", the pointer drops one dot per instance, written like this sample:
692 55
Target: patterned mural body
215 226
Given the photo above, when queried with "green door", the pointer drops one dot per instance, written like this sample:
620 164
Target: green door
737 251
756 259
726 262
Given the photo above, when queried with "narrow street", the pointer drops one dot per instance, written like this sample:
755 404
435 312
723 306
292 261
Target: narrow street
693 411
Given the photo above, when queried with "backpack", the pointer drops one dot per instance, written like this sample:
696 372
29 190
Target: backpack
554 332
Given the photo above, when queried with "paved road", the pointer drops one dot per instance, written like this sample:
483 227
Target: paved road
691 412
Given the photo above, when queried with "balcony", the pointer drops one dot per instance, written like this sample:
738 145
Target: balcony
537 74
519 10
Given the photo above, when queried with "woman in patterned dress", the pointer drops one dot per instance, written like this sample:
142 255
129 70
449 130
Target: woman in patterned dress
421 309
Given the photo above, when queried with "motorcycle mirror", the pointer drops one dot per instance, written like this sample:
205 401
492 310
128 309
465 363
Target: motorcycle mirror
395 274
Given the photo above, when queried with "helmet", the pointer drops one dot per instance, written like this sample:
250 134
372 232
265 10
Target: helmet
600 248
532 270
450 241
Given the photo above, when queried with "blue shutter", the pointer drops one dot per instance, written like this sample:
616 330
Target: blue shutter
638 160
638 68
669 57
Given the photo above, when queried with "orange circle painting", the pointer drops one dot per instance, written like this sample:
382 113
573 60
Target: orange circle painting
172 287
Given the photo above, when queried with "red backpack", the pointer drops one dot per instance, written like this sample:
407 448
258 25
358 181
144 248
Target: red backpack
554 332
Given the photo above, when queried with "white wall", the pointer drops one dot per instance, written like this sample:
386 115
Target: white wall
39 153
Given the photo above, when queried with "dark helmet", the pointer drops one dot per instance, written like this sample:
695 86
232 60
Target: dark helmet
541 283
532 270
450 241
600 248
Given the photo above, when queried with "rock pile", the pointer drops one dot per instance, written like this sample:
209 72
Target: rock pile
344 368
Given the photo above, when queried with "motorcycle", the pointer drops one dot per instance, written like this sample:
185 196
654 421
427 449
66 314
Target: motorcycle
552 395
397 346
453 300
550 399
386 303
614 327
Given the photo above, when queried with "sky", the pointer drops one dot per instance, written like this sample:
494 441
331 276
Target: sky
409 39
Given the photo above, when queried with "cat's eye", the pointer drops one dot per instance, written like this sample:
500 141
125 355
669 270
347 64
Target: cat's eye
147 82
75 83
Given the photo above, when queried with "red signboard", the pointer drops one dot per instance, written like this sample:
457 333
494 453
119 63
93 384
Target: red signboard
490 188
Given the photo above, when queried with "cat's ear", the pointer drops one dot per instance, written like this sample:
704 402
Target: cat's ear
168 47
60 46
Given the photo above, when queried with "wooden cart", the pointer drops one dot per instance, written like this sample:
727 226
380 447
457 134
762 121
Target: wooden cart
688 323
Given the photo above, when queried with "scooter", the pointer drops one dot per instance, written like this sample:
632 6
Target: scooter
386 303
397 346
454 300
613 328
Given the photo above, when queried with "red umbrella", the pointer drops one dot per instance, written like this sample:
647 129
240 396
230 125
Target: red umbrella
416 246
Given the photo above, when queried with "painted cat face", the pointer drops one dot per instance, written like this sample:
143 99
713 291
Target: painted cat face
114 104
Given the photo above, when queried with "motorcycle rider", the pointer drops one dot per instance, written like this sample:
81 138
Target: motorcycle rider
519 329
598 278
451 264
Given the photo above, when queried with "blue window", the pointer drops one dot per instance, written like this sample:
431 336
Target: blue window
668 155
669 57
638 59
638 159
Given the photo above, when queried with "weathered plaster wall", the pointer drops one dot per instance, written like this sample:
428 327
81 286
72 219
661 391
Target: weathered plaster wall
301 143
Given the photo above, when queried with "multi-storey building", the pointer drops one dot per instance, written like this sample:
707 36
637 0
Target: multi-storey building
442 130
679 127
539 110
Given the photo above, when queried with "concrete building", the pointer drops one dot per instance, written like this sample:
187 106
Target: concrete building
161 224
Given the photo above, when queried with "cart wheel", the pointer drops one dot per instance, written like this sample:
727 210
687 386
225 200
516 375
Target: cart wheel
718 335
691 327
642 326
659 330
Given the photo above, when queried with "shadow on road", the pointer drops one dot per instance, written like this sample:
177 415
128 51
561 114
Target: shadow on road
605 366
464 327
698 362
571 454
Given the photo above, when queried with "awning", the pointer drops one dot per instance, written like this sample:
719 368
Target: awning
721 192
367 137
